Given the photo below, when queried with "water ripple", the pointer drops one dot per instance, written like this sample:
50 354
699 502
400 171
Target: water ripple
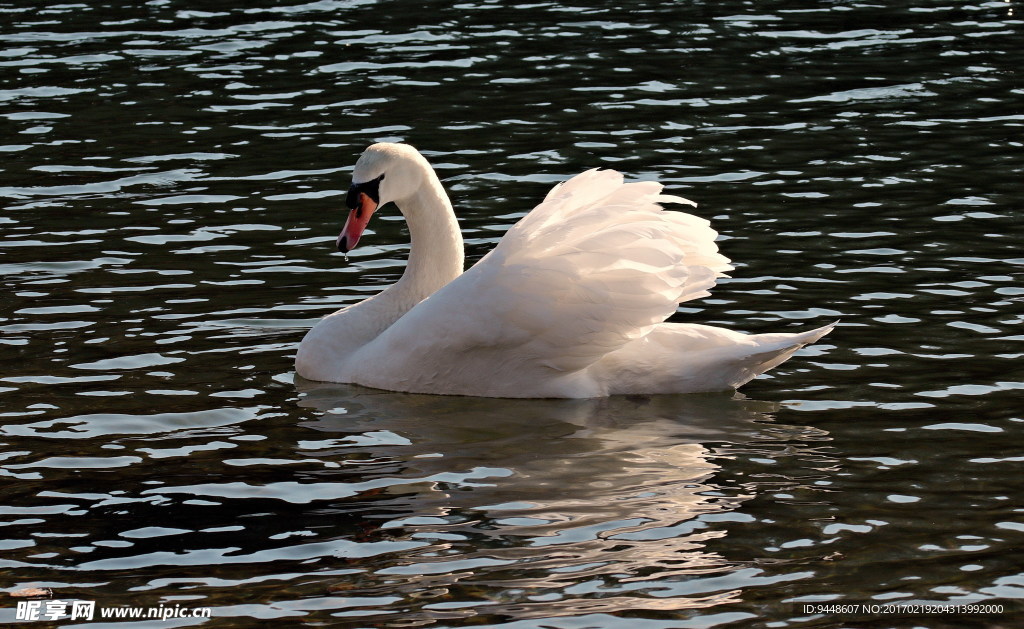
172 188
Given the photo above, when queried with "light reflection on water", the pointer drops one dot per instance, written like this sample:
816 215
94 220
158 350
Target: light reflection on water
172 183
556 499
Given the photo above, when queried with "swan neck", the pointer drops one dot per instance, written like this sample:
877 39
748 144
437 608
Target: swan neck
436 251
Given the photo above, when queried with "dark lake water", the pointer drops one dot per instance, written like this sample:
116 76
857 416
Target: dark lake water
172 184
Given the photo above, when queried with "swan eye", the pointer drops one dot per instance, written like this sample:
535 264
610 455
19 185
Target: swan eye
370 188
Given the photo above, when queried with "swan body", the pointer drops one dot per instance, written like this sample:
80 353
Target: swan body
571 303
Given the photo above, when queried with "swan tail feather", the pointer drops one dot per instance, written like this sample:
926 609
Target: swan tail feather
774 350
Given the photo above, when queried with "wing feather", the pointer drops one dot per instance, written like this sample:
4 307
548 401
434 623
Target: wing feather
597 264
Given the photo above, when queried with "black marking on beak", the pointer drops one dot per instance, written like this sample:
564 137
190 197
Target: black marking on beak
369 188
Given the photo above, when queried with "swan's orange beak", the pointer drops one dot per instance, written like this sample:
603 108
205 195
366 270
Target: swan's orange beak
356 222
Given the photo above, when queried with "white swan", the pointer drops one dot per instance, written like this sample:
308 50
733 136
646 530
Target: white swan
571 303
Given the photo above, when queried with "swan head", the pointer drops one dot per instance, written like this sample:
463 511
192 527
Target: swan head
385 172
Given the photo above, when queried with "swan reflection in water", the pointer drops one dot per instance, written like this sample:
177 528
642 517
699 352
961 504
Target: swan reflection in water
546 507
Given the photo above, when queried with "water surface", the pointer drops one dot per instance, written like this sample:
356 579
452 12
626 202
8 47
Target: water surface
172 186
